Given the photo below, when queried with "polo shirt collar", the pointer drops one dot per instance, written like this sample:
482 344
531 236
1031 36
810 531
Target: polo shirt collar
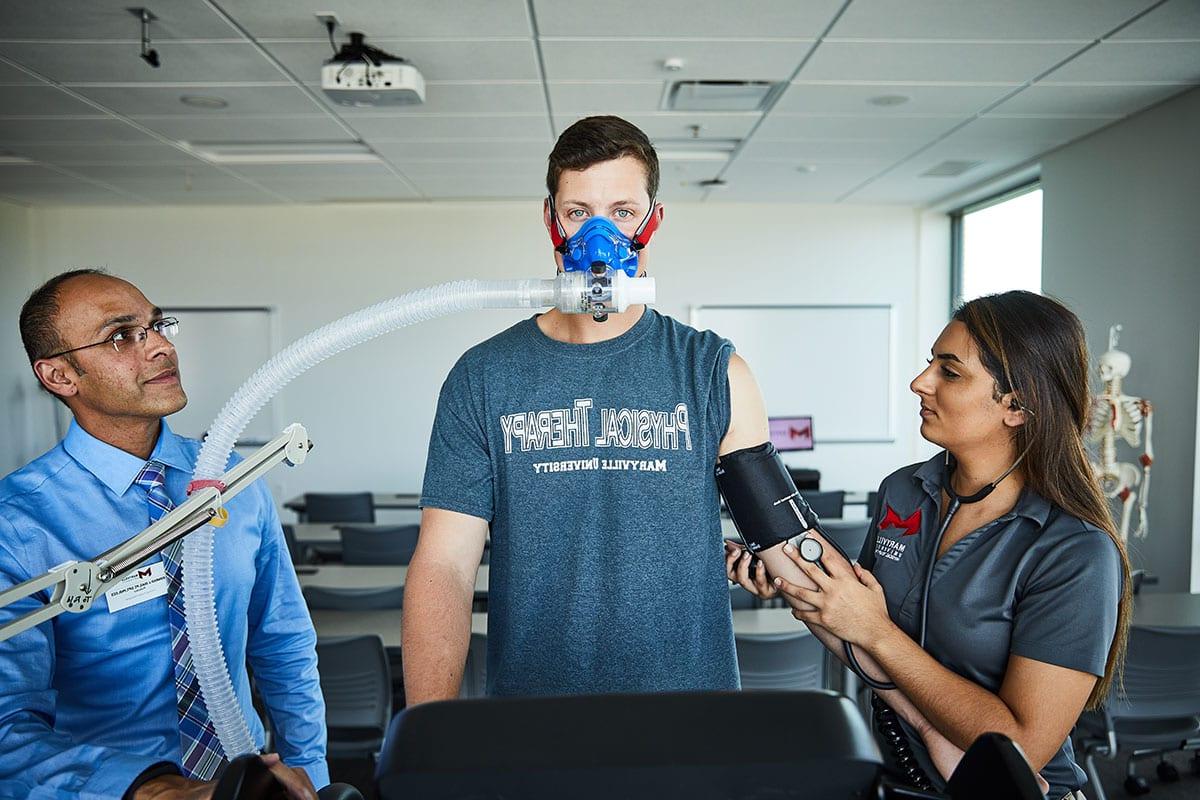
115 468
932 475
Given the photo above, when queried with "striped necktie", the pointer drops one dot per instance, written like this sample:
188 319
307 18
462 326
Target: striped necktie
202 754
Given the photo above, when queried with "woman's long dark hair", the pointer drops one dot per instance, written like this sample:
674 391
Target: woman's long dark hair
1035 347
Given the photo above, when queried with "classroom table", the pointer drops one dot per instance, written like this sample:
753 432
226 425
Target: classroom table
381 500
757 622
1167 610
347 576
408 500
327 533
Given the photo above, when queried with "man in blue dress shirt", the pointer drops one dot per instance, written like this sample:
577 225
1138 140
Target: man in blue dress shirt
91 704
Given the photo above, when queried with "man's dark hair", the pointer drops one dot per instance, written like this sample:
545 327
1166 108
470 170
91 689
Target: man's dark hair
39 316
592 140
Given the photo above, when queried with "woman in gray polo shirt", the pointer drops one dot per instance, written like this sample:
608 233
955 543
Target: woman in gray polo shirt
1028 600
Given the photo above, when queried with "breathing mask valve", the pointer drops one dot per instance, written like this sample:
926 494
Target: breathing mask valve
601 253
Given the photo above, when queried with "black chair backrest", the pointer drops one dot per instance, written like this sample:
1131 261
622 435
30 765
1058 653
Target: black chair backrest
339 507
790 662
357 685
806 480
827 505
381 544
1162 675
740 599
848 533
334 599
294 551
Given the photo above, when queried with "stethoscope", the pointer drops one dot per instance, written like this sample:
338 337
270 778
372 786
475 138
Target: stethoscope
811 551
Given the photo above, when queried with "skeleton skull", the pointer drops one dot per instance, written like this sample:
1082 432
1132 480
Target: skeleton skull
1114 364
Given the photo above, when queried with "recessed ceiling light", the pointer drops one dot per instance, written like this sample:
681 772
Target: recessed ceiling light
889 100
203 101
673 64
806 168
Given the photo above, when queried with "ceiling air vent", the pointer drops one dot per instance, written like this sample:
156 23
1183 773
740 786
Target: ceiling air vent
950 169
719 95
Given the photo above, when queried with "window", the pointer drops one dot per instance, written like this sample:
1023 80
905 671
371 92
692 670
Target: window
997 244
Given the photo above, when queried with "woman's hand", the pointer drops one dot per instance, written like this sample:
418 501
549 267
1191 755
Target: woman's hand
737 569
849 602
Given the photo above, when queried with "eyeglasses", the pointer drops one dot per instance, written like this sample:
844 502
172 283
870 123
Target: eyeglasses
126 339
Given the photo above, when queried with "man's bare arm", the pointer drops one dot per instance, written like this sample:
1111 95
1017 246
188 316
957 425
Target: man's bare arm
438 593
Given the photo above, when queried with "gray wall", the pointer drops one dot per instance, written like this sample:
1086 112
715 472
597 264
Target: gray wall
1122 244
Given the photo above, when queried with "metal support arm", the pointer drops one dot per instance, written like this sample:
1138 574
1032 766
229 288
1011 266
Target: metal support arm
75 585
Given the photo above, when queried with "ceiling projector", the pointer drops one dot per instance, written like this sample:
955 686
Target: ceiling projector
365 76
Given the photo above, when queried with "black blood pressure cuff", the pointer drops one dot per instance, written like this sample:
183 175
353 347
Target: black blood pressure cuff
762 498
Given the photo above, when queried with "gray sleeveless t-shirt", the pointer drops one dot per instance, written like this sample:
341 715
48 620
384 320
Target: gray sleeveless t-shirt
594 466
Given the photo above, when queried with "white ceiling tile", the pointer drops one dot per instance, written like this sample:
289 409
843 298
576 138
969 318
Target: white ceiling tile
437 61
783 183
939 62
689 193
265 173
38 100
1046 98
641 60
246 129
119 62
147 100
466 148
383 18
984 19
13 75
468 98
826 150
66 193
493 185
678 125
14 174
168 174
1055 130
1177 19
147 152
203 179
454 127
685 18
461 168
905 185
854 98
344 189
829 126
588 97
50 130
1127 62
110 19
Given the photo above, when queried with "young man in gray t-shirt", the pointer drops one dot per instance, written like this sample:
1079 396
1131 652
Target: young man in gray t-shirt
587 449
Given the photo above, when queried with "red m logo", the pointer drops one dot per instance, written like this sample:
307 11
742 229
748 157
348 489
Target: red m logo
144 573
910 525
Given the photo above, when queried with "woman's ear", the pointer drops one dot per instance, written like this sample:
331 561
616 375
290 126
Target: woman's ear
1015 414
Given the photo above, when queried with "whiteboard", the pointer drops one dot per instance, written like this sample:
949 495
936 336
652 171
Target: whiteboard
218 349
833 362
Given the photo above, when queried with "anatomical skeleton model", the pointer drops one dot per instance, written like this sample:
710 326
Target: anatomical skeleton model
1117 415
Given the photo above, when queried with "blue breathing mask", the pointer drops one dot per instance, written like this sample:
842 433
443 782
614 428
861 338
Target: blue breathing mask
600 241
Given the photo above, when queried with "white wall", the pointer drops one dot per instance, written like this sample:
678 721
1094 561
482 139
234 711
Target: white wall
1122 238
369 410
26 427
